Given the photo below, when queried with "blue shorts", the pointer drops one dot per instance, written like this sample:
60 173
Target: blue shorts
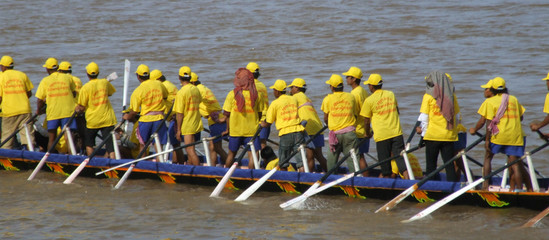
216 129
318 141
364 147
236 142
173 139
265 132
146 129
461 142
54 124
508 150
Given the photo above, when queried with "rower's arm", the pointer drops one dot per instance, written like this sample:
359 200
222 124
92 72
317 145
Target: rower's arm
537 126
480 123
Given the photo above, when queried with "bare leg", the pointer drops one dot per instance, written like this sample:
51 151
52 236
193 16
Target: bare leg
310 159
517 173
52 134
178 156
191 153
220 151
230 159
250 160
362 163
487 169
320 158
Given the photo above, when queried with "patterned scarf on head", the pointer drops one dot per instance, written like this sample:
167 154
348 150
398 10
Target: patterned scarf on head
244 80
441 89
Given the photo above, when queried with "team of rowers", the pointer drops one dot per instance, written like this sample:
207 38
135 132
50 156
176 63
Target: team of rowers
351 117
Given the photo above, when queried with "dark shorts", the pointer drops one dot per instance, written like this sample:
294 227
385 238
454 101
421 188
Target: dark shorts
386 149
265 132
508 150
364 147
173 139
216 129
54 124
461 142
318 141
91 134
236 142
146 129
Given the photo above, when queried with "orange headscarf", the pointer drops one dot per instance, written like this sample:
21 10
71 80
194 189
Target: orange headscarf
244 80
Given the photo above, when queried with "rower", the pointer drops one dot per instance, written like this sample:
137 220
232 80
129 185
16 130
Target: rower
261 88
66 68
188 119
537 126
15 91
340 110
354 77
94 101
58 90
148 100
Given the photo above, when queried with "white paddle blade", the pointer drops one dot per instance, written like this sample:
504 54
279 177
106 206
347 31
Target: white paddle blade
124 177
112 76
76 171
536 219
300 198
224 181
39 166
391 204
246 194
444 201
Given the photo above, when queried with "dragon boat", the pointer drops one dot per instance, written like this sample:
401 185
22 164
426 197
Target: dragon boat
281 181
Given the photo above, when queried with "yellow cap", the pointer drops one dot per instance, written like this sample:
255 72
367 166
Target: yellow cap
374 79
279 85
298 82
142 70
6 61
498 83
488 84
51 63
155 74
252 66
449 77
545 79
92 69
335 80
65 66
354 72
194 77
185 71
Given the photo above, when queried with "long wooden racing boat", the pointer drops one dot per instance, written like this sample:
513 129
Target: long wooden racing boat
289 182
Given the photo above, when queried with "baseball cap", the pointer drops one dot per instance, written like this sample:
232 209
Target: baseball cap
155 74
298 82
374 79
547 78
92 69
65 66
354 72
185 71
279 85
498 83
194 77
335 80
252 66
6 61
51 63
488 84
142 70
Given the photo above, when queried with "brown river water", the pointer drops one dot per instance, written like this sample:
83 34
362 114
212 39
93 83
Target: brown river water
474 41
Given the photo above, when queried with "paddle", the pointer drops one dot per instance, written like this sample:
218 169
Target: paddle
536 219
246 194
391 204
43 160
31 119
405 156
458 193
149 141
81 166
314 189
126 84
231 170
154 155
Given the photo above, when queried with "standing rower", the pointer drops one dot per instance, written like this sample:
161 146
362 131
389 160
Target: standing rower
545 121
66 68
262 89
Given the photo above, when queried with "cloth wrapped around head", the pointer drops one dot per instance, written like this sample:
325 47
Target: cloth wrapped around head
441 89
244 80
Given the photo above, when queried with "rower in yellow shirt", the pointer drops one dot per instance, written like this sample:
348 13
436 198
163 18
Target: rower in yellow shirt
211 110
66 68
308 113
57 91
283 111
262 89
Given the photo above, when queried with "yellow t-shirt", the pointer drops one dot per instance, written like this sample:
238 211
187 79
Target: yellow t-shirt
261 88
273 163
187 102
149 97
307 112
360 95
546 105
436 129
243 124
209 103
94 96
341 108
381 107
283 111
510 129
14 86
172 92
56 89
77 86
